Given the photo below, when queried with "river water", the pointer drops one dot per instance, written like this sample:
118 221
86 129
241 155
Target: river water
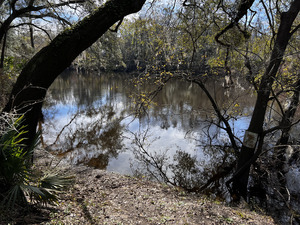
90 119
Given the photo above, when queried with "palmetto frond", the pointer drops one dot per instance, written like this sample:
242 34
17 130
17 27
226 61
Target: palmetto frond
18 182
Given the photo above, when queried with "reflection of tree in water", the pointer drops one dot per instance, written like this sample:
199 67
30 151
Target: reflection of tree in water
84 90
99 162
179 105
91 137
207 173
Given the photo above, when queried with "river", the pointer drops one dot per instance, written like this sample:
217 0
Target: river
95 120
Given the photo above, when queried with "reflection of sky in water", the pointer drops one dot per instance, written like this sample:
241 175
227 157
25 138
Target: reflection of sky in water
160 140
63 109
240 125
164 133
121 164
171 139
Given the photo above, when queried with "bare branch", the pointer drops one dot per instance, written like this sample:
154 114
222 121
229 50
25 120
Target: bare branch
51 15
34 25
242 11
280 128
13 4
295 29
269 18
217 110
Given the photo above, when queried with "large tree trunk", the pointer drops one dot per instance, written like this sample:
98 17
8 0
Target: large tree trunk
30 89
255 129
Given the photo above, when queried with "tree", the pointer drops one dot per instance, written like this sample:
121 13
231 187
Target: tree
30 89
22 13
254 136
26 26
232 38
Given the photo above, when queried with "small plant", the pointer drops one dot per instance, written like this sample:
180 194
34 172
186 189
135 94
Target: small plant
228 220
18 182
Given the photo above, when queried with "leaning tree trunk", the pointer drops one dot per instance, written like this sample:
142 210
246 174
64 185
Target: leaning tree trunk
30 89
255 129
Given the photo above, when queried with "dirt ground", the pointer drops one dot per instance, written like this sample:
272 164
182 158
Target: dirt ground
101 197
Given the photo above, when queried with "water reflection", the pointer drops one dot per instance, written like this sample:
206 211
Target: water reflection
90 119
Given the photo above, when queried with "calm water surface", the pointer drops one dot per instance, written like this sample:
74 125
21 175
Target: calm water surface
90 119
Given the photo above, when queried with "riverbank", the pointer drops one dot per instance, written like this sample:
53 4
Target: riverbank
101 197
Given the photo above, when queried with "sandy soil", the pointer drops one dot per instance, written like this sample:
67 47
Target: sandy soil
101 197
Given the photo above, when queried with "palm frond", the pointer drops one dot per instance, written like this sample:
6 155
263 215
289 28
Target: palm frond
56 182
13 196
17 179
39 194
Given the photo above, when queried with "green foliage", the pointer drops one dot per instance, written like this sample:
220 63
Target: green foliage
13 65
18 182
8 75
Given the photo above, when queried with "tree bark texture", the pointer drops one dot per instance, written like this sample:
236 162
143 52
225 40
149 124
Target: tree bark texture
31 86
3 53
284 34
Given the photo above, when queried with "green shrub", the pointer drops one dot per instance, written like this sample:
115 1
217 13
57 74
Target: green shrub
18 182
